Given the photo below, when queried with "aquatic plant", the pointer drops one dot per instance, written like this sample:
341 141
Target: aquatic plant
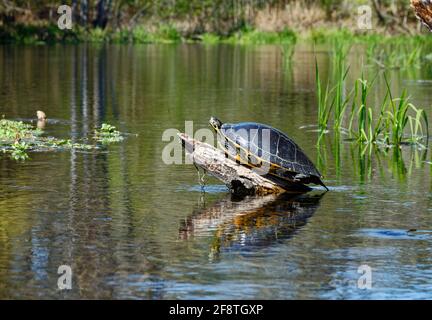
368 161
362 113
396 55
288 52
19 150
324 107
341 72
108 134
13 130
386 129
389 126
339 100
397 117
18 138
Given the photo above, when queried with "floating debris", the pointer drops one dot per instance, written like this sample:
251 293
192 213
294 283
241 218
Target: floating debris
41 115
42 119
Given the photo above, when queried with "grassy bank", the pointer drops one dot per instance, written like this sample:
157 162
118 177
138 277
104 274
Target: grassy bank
50 34
248 21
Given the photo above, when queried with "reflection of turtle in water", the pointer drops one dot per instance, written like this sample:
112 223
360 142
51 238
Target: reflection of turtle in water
267 150
251 222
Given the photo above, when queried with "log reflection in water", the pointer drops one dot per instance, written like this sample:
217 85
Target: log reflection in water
252 221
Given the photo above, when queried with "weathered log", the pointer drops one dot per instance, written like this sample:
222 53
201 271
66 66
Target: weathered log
239 179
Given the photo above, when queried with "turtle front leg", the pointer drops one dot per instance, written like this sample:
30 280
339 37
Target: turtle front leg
201 178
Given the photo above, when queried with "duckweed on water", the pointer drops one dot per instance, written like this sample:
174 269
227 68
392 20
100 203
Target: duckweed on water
18 138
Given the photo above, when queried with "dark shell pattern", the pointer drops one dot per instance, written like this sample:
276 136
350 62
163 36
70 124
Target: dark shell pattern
270 145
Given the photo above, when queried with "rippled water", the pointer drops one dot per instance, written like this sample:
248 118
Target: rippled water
131 226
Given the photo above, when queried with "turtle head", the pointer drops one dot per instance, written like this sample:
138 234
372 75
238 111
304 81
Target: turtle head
215 123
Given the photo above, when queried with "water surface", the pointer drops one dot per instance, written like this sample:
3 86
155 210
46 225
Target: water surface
131 226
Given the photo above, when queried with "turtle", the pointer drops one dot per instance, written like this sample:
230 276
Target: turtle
268 150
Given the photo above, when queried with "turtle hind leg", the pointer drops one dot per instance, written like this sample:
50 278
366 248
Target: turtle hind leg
316 180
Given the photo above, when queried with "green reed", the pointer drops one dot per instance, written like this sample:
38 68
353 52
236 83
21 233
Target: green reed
397 52
367 161
341 72
386 128
339 100
324 106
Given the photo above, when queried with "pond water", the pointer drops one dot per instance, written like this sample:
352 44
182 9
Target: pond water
131 226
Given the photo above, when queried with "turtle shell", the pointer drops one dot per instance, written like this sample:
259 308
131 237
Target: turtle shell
259 145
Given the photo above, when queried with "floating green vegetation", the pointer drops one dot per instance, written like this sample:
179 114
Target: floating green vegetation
15 130
388 128
19 150
18 138
108 134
